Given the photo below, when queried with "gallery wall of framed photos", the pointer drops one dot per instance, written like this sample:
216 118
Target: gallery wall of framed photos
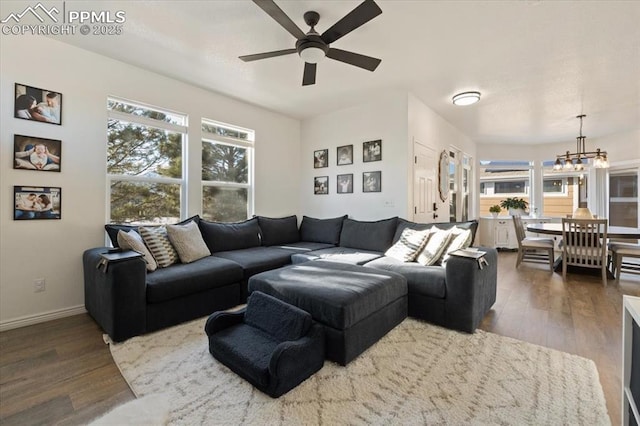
371 180
37 154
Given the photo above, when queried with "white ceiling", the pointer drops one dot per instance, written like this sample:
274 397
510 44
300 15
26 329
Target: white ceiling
538 64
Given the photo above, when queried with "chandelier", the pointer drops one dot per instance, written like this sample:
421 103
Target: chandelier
574 160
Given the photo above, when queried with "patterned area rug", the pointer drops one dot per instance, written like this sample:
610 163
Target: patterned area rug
416 374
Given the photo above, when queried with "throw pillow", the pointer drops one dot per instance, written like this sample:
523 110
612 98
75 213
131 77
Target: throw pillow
411 243
437 243
278 231
133 241
112 228
460 239
188 242
155 237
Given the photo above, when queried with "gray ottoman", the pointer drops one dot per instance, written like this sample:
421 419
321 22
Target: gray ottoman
355 305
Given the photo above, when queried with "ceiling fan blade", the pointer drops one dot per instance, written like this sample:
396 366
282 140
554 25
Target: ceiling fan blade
309 76
356 59
280 17
249 58
366 11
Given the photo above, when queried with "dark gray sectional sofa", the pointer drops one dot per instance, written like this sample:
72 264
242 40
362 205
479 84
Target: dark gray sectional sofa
127 301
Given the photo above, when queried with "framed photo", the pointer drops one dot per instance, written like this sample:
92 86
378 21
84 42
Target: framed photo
321 185
320 158
345 184
372 151
32 103
31 153
372 182
37 202
344 155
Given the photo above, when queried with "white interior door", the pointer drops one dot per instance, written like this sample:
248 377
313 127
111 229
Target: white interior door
425 167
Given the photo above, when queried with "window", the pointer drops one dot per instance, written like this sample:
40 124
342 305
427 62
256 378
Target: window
145 151
623 198
227 172
553 186
503 179
510 187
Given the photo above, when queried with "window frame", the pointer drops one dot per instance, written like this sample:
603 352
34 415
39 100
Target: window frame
157 124
248 144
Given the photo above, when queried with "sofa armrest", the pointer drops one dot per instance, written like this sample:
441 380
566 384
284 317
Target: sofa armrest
294 361
470 291
222 319
116 298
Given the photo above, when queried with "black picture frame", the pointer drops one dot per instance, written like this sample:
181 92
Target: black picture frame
32 202
321 185
344 155
344 184
320 158
372 181
372 151
38 154
35 104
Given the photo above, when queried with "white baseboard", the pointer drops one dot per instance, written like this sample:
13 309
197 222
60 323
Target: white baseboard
39 318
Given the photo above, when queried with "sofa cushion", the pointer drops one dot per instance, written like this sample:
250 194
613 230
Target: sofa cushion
428 281
278 319
403 223
133 241
187 241
257 259
374 236
112 228
187 279
277 231
230 236
337 254
410 244
246 350
321 230
157 240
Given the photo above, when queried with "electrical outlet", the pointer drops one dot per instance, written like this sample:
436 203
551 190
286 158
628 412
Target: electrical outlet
39 285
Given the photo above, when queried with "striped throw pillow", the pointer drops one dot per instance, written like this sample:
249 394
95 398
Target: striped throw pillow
411 243
460 239
436 245
156 239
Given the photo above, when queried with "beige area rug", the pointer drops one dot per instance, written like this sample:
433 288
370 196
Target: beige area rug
416 374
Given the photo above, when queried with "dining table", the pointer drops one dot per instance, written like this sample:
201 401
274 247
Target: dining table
626 233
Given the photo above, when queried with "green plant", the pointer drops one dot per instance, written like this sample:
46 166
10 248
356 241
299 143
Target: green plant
495 209
514 203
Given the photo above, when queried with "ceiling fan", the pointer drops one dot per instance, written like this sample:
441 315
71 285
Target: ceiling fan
312 47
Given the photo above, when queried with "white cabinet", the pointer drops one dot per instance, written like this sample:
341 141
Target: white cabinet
630 360
499 232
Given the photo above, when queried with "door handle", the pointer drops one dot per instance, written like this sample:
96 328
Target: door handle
435 216
435 206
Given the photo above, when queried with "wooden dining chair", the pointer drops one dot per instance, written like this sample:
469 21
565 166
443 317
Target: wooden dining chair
532 249
584 245
618 252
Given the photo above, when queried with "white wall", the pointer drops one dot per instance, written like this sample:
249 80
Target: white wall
383 118
52 249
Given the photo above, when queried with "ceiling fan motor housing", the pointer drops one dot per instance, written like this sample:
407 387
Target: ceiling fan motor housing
311 40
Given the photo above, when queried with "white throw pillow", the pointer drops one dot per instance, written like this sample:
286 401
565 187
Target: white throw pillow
156 239
133 241
460 239
188 242
436 245
411 243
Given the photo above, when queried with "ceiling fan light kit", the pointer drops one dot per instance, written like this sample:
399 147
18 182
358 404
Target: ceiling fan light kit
466 98
313 47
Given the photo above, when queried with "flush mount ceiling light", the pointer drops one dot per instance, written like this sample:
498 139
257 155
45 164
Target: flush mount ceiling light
466 98
574 160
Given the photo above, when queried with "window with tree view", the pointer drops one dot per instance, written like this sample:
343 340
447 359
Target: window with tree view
226 172
144 163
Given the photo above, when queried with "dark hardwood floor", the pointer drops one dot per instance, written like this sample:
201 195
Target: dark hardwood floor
61 372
